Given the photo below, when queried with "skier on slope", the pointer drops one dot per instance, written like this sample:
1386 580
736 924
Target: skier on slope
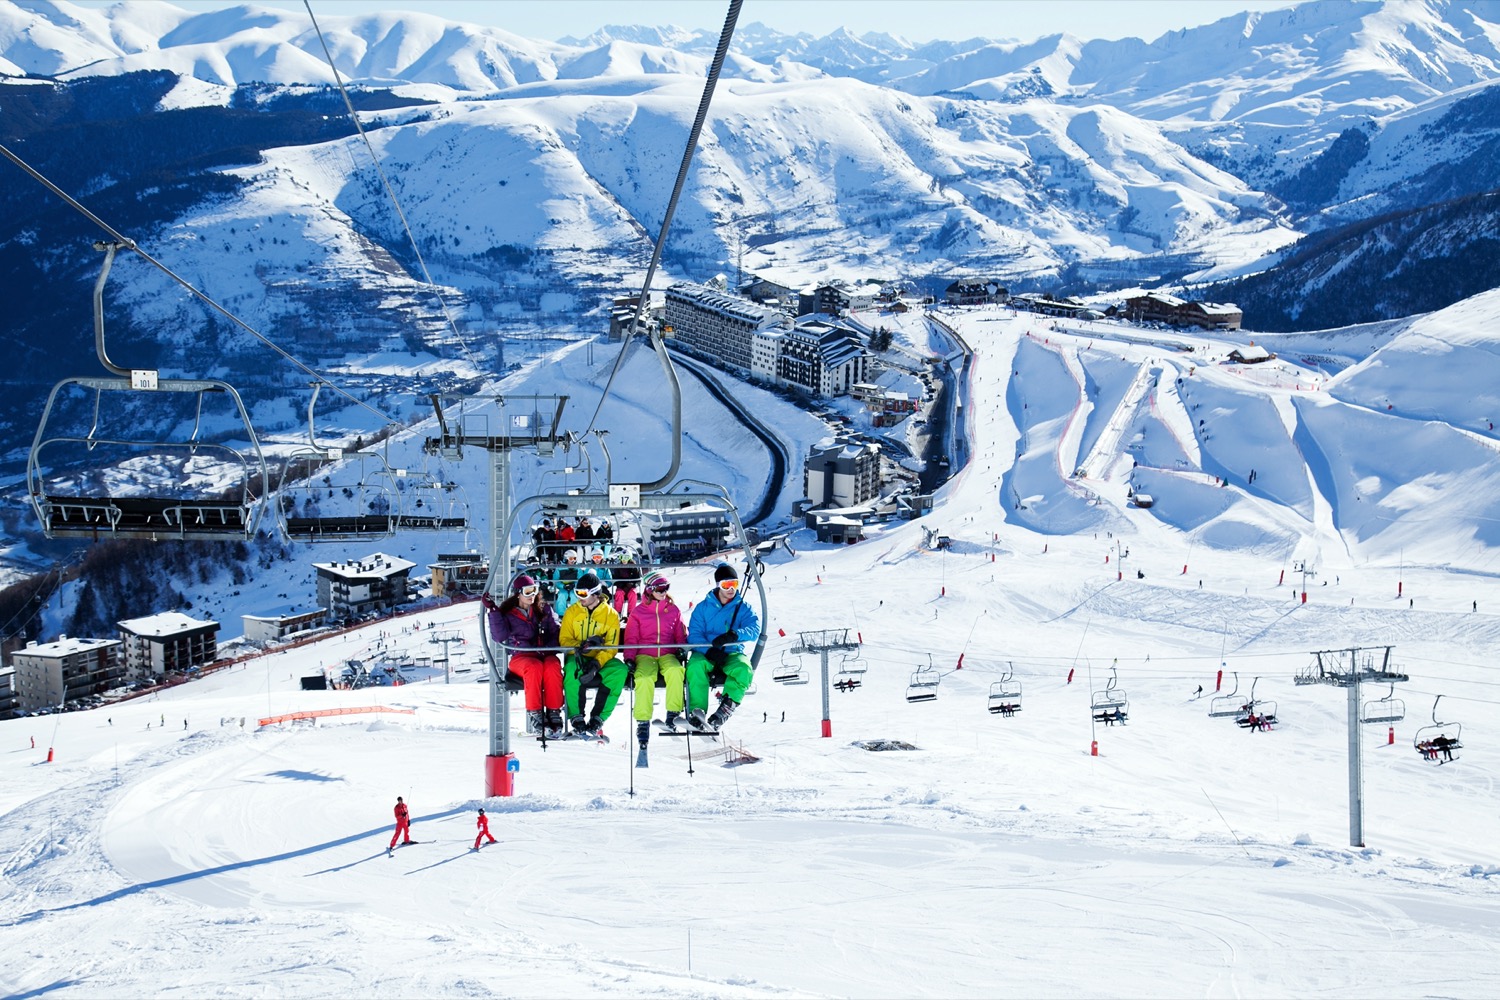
403 826
720 626
483 823
527 624
654 637
588 626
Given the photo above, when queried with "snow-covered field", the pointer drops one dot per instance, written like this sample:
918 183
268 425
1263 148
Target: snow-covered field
169 850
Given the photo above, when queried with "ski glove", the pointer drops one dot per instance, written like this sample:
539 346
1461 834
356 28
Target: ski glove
590 644
724 638
488 601
716 655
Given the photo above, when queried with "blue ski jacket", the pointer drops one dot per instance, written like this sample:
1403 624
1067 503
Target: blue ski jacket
710 619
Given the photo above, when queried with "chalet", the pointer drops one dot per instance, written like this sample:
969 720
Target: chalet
1250 355
973 293
1159 307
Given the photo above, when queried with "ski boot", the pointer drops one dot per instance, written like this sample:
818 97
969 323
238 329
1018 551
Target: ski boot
722 713
672 719
594 727
554 724
643 733
698 719
534 722
578 723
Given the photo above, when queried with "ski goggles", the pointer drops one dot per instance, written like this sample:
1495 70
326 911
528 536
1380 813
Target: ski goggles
587 591
530 590
729 585
661 586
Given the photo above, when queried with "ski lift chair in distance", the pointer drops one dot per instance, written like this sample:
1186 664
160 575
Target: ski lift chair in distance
924 683
328 511
1438 741
199 506
1110 705
851 672
1389 709
1256 713
790 671
429 504
1227 706
1005 694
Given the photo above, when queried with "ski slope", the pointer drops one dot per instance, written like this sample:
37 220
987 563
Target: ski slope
168 850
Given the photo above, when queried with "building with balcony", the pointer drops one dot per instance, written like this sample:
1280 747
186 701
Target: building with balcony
8 704
279 626
51 674
359 587
839 474
459 574
169 642
717 325
684 534
822 358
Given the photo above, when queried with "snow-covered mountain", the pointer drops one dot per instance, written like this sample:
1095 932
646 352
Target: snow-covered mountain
534 175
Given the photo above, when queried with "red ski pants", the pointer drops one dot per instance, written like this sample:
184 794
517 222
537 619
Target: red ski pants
403 831
542 674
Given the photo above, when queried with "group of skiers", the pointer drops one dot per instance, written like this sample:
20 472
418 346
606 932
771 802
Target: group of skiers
598 653
402 836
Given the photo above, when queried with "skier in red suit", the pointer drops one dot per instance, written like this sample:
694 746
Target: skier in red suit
483 822
403 825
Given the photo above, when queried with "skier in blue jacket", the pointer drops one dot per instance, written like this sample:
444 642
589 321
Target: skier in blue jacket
721 626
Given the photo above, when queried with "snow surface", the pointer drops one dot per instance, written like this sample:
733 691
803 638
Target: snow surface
1189 857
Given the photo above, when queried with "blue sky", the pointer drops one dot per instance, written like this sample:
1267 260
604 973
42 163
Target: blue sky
916 21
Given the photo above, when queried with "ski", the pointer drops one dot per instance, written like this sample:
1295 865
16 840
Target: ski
707 734
574 738
641 759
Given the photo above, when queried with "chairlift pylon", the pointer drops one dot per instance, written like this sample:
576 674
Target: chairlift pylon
198 506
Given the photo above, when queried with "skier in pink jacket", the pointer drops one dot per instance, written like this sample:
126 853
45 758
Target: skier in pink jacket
653 641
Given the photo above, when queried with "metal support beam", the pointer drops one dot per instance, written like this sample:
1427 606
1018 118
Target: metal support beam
822 643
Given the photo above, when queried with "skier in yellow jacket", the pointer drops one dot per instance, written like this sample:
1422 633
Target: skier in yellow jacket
591 629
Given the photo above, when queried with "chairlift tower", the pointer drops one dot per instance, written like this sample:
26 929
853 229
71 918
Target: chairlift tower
823 642
1348 669
1301 566
447 639
525 422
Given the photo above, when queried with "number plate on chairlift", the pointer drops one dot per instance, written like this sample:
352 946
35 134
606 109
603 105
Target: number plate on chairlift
143 378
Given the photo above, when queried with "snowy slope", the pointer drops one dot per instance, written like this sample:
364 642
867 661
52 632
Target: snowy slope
1189 857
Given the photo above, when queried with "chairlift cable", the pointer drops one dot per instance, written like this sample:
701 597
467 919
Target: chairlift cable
720 53
128 243
389 190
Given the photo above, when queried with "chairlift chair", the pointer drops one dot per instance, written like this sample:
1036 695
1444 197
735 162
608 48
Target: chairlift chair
924 683
1111 699
790 671
1005 694
328 511
1256 711
430 504
852 667
198 506
1227 706
1389 709
1438 741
